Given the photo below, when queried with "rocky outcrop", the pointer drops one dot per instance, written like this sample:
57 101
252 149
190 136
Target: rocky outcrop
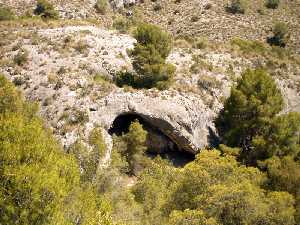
183 118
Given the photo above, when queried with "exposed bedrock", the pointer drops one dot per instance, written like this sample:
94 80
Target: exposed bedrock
185 120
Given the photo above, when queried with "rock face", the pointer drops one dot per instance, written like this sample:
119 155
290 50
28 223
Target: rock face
183 118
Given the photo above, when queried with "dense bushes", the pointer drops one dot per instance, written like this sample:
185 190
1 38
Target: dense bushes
250 121
252 104
21 57
6 13
45 10
88 159
149 56
39 183
236 6
280 35
35 174
121 24
213 189
272 4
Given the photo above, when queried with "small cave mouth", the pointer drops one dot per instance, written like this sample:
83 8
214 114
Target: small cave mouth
158 143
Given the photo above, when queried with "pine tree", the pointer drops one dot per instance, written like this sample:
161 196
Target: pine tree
249 110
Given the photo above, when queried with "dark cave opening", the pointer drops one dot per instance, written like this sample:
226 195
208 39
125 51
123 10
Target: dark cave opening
158 143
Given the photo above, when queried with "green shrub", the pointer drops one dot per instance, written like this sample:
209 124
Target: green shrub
272 4
132 147
101 6
247 46
148 35
21 58
6 13
125 78
40 183
208 82
149 55
10 98
236 7
45 10
158 75
121 24
200 43
280 35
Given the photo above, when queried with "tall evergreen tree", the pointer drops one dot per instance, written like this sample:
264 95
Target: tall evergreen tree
252 105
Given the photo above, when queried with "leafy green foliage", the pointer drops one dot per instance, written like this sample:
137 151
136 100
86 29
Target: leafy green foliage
88 158
10 98
149 55
280 137
134 147
213 189
250 121
280 35
272 4
284 175
252 105
247 46
148 35
153 188
39 183
21 58
121 24
46 10
6 13
35 174
236 6
85 206
190 217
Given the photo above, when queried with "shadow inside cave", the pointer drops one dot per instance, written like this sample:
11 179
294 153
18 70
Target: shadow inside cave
158 143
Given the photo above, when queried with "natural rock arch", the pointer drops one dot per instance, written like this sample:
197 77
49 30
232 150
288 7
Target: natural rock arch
161 136
160 139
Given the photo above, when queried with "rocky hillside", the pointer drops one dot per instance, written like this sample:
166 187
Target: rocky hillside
69 65
209 18
206 18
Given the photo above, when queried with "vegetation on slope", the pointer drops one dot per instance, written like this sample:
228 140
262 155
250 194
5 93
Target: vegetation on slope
255 180
149 59
40 184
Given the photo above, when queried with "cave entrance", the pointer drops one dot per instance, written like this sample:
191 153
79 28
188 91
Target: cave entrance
157 142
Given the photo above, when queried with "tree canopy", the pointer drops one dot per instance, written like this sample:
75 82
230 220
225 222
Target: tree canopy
39 182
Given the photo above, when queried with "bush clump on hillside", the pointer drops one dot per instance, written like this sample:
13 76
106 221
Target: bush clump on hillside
272 4
236 7
280 35
21 58
251 122
121 24
101 6
6 13
45 10
40 183
149 59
